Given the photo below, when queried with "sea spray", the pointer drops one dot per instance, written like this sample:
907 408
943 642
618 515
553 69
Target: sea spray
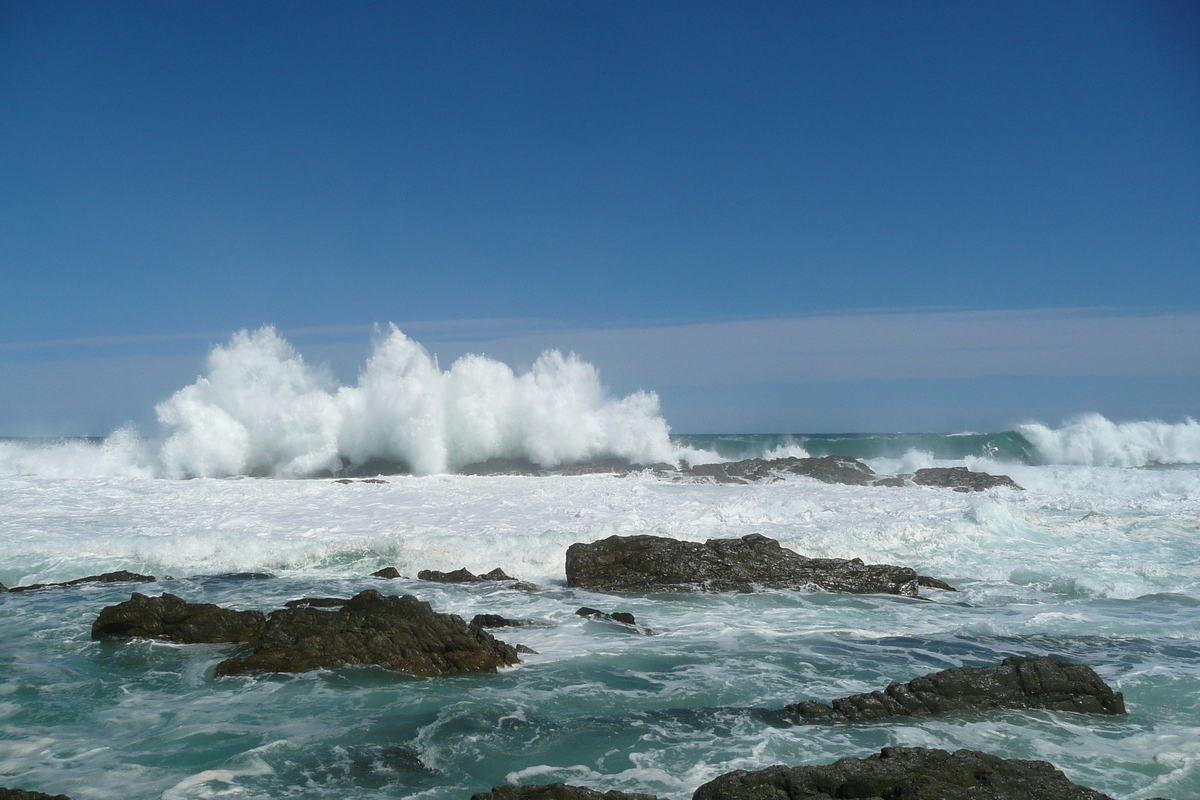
1092 440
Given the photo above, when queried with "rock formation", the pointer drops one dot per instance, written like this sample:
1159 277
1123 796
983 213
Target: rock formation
1043 682
556 791
19 794
108 577
173 619
961 479
827 469
623 618
397 633
659 564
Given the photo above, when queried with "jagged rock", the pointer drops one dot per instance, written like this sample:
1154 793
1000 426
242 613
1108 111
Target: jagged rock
19 794
526 651
658 564
173 619
827 469
904 773
317 602
556 791
464 575
1042 682
120 576
934 583
961 479
496 621
623 617
396 633
387 572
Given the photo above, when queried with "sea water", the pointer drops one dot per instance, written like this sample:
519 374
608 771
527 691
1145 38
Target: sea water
1096 561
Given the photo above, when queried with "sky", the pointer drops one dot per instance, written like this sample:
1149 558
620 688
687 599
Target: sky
796 216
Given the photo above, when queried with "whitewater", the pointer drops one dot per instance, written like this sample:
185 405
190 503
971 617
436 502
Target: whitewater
235 500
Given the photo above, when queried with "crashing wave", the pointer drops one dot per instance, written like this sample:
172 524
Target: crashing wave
1093 440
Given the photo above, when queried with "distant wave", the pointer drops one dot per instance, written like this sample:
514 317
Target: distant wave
1093 440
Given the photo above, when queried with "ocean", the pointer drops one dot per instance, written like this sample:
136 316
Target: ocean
235 502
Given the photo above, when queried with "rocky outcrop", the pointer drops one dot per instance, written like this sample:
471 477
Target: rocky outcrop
1043 682
464 575
624 618
556 791
659 564
3 588
503 466
19 794
827 469
496 621
173 619
907 773
961 479
108 577
396 633
390 573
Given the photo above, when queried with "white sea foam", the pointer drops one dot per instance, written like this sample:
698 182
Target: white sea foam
1093 440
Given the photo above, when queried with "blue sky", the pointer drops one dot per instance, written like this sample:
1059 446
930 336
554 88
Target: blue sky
611 177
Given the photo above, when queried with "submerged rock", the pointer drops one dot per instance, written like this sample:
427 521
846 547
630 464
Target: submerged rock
623 617
1042 682
904 773
827 469
658 564
19 794
173 619
556 791
397 633
961 479
121 576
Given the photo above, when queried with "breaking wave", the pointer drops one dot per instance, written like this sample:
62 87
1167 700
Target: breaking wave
1093 440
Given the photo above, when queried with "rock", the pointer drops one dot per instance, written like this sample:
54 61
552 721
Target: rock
658 564
527 651
609 466
3 588
387 572
173 619
934 583
503 466
961 479
396 633
904 773
894 480
121 576
317 602
556 791
464 575
18 794
827 469
496 621
624 618
1042 682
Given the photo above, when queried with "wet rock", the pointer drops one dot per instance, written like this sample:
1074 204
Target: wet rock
603 466
527 651
904 773
3 588
556 791
894 480
659 564
390 573
933 583
173 619
317 602
121 576
827 469
18 794
624 618
503 466
236 576
961 479
496 621
464 575
345 481
397 633
1042 682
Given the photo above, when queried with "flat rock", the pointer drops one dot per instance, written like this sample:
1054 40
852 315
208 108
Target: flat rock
904 773
659 564
173 619
827 469
1017 682
397 633
556 791
961 479
120 576
19 794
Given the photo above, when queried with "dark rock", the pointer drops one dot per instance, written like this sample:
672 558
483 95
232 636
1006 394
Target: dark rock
396 633
659 564
934 583
496 575
904 773
362 480
173 619
503 466
387 572
18 794
526 651
556 791
610 466
237 576
372 480
623 617
317 602
343 481
1018 682
460 575
827 469
121 576
895 480
496 621
961 479
3 588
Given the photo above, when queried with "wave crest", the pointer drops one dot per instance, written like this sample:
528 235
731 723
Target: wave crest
1093 440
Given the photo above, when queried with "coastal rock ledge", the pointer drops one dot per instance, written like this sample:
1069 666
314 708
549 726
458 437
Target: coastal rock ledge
402 634
173 619
1017 682
658 564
